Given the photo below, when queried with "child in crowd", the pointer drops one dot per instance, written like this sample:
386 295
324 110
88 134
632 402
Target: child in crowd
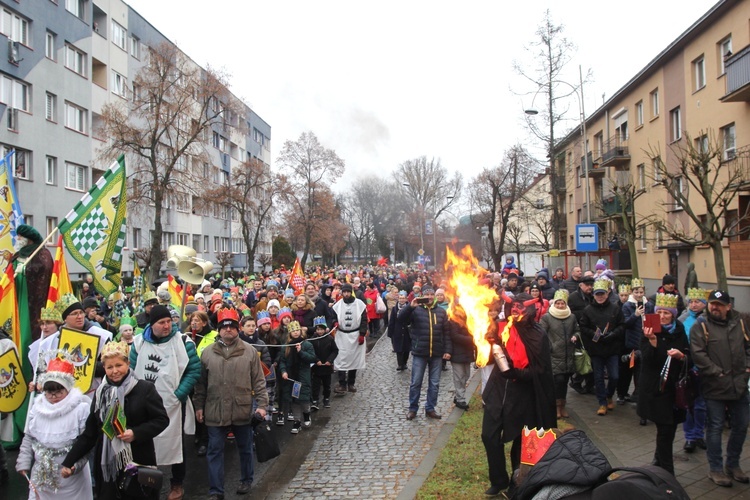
326 351
294 364
249 333
273 310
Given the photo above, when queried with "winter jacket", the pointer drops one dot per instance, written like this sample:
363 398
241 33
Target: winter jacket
297 367
601 316
633 323
231 377
562 350
548 291
688 319
325 350
304 316
398 332
577 301
429 330
462 343
571 285
260 347
722 355
371 299
656 400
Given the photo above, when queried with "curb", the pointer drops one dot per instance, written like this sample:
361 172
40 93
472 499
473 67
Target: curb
430 459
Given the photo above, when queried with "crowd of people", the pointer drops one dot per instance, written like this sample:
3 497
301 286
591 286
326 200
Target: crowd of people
251 347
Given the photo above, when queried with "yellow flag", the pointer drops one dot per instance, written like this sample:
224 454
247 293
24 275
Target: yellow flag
13 385
83 350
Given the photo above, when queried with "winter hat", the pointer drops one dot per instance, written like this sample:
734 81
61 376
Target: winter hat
403 293
228 317
512 276
668 279
601 265
60 371
199 296
271 303
668 302
157 313
263 318
543 275
284 312
427 289
347 287
534 286
67 304
90 302
272 284
124 326
164 295
174 313
29 233
289 293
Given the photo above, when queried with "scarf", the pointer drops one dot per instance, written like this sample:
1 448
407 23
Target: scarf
559 313
116 454
513 345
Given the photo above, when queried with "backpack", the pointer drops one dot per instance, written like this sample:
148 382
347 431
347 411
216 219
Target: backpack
650 482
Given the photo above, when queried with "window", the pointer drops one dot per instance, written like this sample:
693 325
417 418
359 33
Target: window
50 173
15 27
75 177
675 124
236 245
654 98
725 49
135 47
728 140
75 7
183 239
205 244
578 176
51 226
639 113
641 176
136 240
182 204
75 117
657 166
642 237
570 203
679 188
19 162
14 93
225 245
75 60
119 36
50 107
49 46
119 84
732 223
598 145
699 73
657 239
217 248
701 144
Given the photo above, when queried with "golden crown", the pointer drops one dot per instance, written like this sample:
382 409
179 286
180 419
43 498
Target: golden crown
602 284
293 326
624 288
697 294
561 294
667 300
112 349
50 314
637 283
65 301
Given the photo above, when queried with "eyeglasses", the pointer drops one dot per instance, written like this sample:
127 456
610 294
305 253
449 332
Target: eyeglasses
56 393
77 313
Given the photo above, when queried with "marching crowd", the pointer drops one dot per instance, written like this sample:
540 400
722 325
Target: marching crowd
251 347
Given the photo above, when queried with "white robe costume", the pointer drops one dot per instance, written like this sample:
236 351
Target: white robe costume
351 355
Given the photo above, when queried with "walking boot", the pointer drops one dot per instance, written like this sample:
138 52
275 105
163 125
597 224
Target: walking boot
176 493
563 411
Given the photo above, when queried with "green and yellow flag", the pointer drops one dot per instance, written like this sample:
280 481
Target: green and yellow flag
94 231
10 211
13 386
83 351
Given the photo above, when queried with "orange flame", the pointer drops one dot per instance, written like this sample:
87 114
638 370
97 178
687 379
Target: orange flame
463 275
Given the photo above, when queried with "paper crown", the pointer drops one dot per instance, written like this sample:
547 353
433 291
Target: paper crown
128 320
666 300
65 302
247 312
320 321
228 317
149 297
51 314
698 294
60 371
602 284
561 294
637 283
624 288
284 311
112 349
293 326
263 318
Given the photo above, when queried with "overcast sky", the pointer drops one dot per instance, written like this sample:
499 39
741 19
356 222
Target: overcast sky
384 82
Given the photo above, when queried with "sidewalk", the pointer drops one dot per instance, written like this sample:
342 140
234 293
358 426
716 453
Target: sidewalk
626 443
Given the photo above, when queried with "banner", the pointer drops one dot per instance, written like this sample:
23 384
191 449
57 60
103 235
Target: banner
94 231
83 350
175 293
297 279
59 283
13 385
9 319
10 211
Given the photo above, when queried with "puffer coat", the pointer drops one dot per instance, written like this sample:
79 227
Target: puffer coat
560 332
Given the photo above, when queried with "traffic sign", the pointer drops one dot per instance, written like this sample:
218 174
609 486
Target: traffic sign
587 237
420 252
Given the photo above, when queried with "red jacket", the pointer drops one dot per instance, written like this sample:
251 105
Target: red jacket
371 299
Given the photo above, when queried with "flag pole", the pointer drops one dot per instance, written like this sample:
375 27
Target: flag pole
41 245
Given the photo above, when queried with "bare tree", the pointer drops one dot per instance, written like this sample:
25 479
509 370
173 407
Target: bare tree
163 130
265 260
703 181
309 167
542 228
493 194
620 206
514 236
223 259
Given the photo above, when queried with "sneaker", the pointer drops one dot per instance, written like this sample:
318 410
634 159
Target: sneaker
306 422
689 446
736 474
230 436
719 478
610 404
601 411
314 406
280 419
621 400
290 416
244 487
326 403
351 388
202 450
296 427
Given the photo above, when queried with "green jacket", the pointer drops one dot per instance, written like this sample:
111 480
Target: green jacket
297 367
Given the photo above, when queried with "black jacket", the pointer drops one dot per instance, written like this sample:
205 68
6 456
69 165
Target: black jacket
462 350
429 330
325 350
398 332
601 316
578 302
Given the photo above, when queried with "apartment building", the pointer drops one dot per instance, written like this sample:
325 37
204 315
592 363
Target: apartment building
65 60
697 89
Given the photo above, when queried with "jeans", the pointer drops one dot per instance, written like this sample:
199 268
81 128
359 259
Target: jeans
695 421
598 363
243 437
715 423
461 373
418 366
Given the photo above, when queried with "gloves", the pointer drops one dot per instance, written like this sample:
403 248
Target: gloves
361 339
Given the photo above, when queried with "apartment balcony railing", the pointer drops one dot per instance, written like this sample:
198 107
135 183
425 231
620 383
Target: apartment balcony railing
613 206
737 68
595 169
616 153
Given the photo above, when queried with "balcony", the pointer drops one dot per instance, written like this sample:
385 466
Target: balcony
616 153
595 169
560 182
613 206
737 69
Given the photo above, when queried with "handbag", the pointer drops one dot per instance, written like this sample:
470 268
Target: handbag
266 446
140 481
684 390
583 361
380 306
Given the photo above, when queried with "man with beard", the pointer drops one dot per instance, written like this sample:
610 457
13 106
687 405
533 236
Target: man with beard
272 293
520 390
351 318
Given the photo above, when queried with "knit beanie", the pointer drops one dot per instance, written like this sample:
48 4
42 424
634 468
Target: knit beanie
158 312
